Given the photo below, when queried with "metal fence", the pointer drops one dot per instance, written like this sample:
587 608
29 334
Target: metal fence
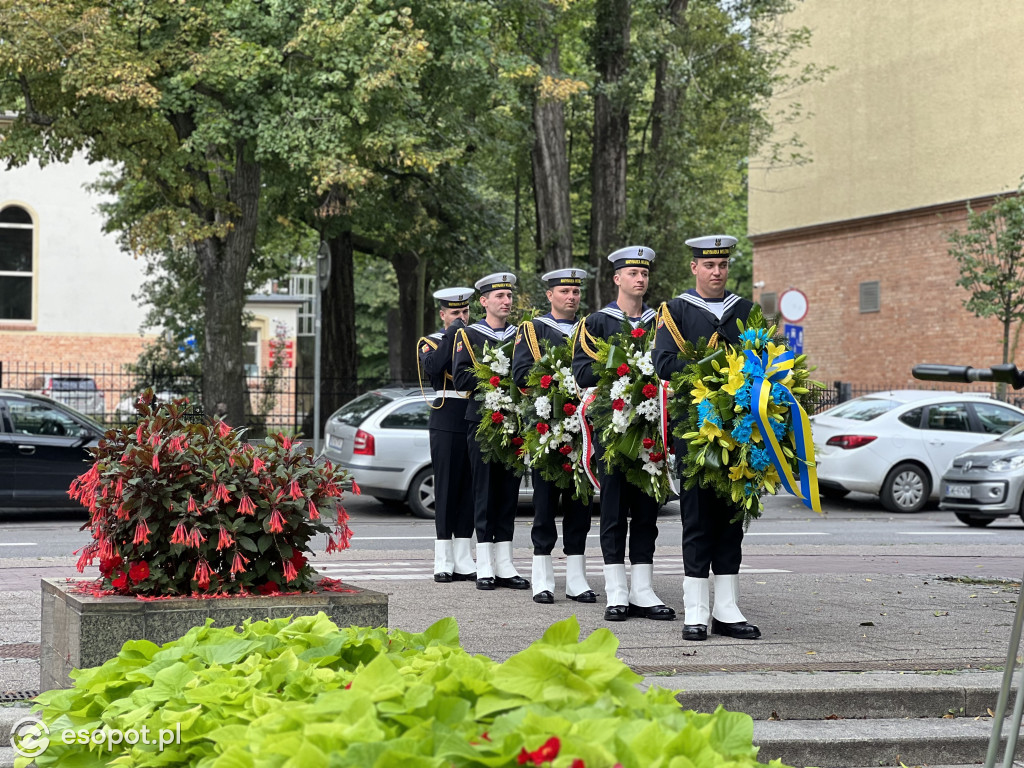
278 402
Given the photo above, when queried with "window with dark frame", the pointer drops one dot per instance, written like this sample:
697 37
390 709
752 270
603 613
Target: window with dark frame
16 275
870 297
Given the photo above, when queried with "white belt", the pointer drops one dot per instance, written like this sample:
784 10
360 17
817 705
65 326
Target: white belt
455 393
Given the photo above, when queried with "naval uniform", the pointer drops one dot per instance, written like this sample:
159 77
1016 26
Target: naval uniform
710 540
453 492
547 496
624 506
495 486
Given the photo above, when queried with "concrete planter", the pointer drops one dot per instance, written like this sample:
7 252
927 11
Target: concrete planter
81 631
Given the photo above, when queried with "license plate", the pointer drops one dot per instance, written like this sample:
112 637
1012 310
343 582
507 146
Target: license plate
958 491
334 442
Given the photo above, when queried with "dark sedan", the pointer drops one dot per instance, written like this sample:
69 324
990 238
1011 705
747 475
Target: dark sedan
42 449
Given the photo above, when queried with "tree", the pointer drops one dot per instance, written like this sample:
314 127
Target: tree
990 255
197 105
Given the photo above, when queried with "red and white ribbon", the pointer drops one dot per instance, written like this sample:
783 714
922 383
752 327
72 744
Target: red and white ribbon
586 433
666 436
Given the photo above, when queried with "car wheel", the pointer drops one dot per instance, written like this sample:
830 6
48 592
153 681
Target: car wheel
906 488
973 520
833 493
421 494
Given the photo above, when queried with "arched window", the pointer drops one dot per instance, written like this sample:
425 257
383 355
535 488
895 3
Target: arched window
16 233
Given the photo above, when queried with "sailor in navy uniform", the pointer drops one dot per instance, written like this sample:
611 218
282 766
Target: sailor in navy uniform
453 492
495 487
711 543
624 507
557 328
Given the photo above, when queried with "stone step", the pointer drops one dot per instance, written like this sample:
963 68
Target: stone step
818 695
894 742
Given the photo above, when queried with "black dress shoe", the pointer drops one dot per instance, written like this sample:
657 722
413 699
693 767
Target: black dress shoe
464 576
512 582
544 597
590 596
657 612
615 613
695 632
738 629
485 583
443 578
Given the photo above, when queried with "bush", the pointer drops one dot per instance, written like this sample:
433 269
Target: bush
179 508
305 693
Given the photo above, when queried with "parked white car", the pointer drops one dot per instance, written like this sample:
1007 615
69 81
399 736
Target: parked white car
898 444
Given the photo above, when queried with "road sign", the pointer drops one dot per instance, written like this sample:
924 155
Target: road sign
793 305
794 337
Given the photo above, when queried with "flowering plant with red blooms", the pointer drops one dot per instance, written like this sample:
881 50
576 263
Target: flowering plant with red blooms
178 508
500 406
554 438
627 411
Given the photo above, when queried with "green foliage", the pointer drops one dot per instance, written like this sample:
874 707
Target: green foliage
179 508
304 692
990 254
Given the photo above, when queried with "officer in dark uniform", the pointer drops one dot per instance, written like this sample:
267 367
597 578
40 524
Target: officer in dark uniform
624 507
557 328
710 541
495 487
453 492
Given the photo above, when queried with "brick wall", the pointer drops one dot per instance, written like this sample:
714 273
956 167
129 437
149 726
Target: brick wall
922 318
70 349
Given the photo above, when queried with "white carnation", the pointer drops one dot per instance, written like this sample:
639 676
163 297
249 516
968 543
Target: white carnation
500 366
619 387
543 407
645 365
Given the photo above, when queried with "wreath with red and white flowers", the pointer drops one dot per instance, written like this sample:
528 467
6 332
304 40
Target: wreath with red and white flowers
500 408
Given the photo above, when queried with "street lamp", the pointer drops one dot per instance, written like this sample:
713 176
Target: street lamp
323 274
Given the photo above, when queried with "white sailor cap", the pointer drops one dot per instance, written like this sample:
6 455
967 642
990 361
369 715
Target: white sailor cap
711 246
632 256
572 277
496 282
453 298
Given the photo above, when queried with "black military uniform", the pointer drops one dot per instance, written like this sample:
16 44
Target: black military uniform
495 487
453 491
710 541
548 498
624 506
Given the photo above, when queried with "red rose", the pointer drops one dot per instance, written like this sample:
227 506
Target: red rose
567 467
656 457
543 428
517 441
497 418
495 381
120 581
622 370
618 405
569 409
638 333
108 565
650 391
139 571
545 381
648 443
565 450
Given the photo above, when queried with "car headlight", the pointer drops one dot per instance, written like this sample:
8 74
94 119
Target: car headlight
1007 465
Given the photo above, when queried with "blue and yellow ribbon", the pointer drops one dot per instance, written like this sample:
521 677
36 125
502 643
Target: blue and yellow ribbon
772 369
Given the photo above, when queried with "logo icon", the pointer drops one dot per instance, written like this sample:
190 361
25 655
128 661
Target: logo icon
640 253
30 737
573 273
504 278
718 241
968 465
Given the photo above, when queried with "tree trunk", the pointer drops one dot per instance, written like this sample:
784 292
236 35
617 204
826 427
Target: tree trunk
667 93
410 318
551 173
339 355
224 264
611 133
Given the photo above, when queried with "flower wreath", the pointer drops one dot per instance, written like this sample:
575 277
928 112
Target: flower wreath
626 410
554 439
742 411
500 412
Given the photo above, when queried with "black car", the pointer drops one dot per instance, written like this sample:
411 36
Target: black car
42 449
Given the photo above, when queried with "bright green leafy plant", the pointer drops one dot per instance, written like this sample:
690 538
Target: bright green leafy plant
305 693
178 508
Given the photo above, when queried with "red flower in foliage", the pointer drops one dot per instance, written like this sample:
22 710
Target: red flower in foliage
179 536
225 539
650 391
141 533
156 462
543 428
139 571
565 450
237 564
568 409
257 465
294 491
290 574
517 441
648 443
192 506
314 513
268 588
497 418
545 381
109 564
622 370
223 429
120 581
245 506
618 405
494 381
276 521
578 763
202 574
638 333
567 467
545 753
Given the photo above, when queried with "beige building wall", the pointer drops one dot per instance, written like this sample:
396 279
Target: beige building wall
923 107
